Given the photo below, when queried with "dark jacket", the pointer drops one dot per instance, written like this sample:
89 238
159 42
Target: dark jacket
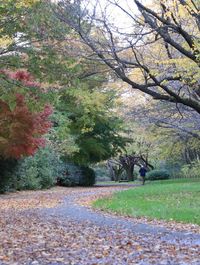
142 171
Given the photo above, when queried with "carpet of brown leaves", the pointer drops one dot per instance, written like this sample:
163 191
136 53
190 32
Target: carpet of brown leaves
27 238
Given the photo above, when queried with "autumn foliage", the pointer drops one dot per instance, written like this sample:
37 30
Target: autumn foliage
21 130
22 76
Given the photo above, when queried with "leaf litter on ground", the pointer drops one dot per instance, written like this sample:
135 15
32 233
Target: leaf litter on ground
30 239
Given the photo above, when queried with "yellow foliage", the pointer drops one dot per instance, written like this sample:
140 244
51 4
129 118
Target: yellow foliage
20 3
5 41
26 3
137 74
86 130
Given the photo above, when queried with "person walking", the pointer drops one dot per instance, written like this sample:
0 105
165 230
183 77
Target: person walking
143 172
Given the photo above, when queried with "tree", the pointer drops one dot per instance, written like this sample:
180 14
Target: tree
20 128
169 27
93 124
128 163
31 65
156 135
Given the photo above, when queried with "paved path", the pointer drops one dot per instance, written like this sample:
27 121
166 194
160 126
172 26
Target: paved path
150 235
70 209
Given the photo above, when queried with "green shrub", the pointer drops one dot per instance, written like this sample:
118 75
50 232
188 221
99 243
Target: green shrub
49 167
68 176
191 170
26 175
76 175
41 171
7 168
37 172
158 175
102 173
66 182
88 176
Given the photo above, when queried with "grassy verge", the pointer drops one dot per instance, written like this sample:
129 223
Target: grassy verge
177 200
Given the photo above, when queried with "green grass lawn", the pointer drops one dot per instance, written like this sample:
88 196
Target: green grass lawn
177 200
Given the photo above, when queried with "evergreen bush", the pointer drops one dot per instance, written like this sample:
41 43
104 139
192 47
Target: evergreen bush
158 175
39 171
35 172
88 176
76 175
7 168
68 177
102 173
